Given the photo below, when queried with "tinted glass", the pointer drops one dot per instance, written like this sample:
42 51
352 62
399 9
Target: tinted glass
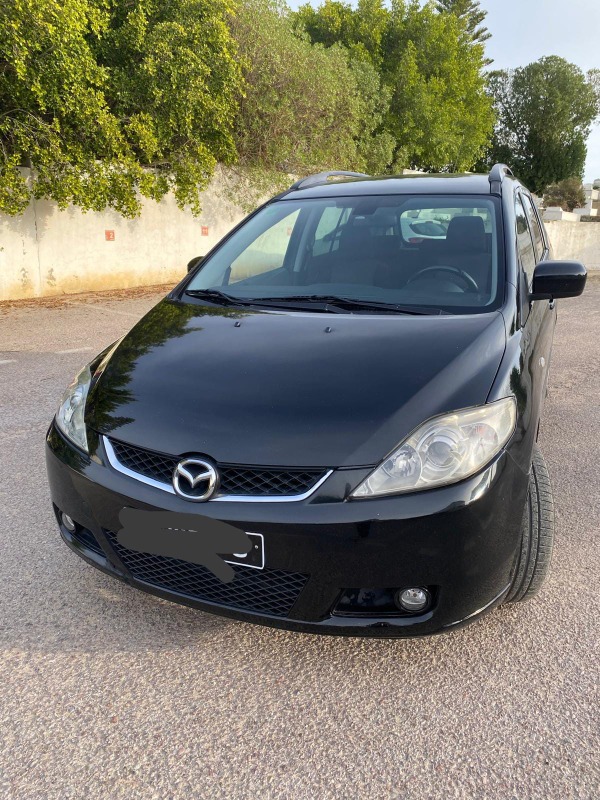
534 224
524 242
411 250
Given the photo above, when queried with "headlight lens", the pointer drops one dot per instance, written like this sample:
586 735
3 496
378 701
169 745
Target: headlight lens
69 416
444 450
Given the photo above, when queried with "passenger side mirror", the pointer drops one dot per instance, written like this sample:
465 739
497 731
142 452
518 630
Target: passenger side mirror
554 279
194 263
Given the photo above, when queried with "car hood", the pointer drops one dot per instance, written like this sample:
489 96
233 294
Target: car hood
290 389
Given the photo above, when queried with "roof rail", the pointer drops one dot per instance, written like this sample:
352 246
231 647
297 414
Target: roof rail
497 175
323 177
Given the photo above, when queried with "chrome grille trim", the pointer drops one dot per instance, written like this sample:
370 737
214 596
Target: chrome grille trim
224 498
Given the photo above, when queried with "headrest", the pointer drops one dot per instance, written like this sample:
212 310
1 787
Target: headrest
466 234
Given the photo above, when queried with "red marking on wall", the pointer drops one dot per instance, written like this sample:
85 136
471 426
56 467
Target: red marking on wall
289 231
109 236
204 230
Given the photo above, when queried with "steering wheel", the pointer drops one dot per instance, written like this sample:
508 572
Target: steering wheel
470 282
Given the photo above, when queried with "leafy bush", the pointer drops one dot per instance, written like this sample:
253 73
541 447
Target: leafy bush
439 115
304 107
568 194
109 99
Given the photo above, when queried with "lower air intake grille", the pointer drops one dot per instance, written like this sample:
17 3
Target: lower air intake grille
87 539
235 480
268 591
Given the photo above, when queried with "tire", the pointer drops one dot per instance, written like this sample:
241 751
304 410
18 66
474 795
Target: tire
537 534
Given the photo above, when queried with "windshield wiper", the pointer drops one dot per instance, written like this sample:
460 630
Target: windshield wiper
338 304
316 302
215 296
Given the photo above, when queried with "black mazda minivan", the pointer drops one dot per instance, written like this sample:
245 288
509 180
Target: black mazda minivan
354 379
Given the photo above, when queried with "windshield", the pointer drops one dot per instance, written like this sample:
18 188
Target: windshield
411 251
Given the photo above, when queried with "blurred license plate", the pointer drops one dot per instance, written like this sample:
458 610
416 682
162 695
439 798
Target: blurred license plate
255 558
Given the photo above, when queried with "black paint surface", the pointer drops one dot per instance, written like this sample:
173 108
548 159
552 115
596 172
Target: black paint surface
186 382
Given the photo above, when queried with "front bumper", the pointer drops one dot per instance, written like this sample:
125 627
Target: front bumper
461 540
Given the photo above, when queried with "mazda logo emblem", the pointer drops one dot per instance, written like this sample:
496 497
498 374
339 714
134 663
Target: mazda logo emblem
195 479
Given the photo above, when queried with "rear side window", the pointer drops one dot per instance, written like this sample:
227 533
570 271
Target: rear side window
433 222
524 242
538 238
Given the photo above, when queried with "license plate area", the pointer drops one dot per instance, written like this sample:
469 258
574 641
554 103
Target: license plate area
255 558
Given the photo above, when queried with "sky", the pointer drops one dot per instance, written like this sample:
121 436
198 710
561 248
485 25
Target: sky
525 30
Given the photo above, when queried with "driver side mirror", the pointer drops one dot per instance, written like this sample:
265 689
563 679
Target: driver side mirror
194 263
554 279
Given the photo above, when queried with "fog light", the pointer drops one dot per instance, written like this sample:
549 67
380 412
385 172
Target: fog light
413 600
68 522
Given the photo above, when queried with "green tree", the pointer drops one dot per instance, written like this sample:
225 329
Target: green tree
360 29
304 107
374 143
107 100
440 115
544 116
174 87
568 194
471 13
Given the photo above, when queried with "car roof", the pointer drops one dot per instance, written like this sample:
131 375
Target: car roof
449 183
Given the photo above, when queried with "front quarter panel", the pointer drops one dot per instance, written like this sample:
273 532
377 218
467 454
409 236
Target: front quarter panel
523 371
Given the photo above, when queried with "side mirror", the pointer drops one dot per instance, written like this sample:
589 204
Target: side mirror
553 279
194 263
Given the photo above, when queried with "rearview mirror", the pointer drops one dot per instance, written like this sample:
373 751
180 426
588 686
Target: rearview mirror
194 263
554 279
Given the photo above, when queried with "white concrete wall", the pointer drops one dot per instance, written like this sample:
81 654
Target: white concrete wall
46 251
579 241
553 213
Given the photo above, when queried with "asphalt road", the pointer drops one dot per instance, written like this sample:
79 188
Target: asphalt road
106 692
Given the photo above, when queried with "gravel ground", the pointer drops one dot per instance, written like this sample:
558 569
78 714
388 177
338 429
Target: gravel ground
106 692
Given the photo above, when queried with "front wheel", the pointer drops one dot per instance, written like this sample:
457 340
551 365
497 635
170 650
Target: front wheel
537 534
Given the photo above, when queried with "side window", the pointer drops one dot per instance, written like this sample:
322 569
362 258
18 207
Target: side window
267 252
538 238
420 224
328 229
524 242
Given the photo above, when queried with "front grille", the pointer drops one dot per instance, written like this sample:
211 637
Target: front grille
267 591
244 481
146 462
235 480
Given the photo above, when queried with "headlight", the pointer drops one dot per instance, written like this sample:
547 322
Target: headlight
443 450
69 416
